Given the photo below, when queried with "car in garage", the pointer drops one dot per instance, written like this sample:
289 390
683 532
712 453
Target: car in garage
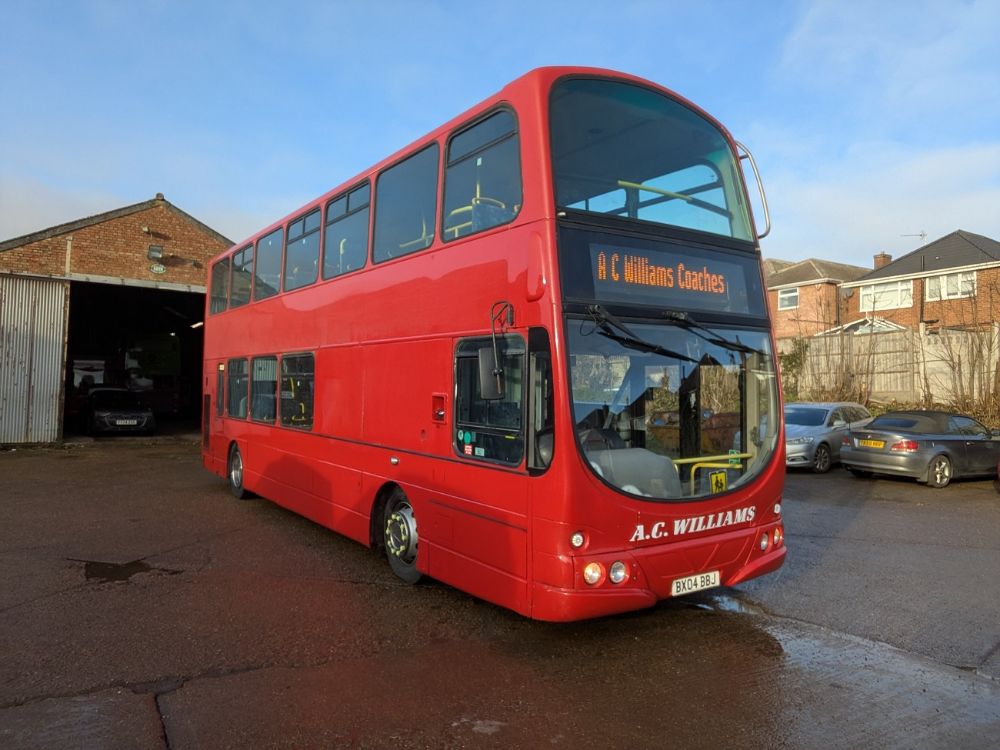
117 410
814 432
933 447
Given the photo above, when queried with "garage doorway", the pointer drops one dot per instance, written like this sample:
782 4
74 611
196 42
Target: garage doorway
139 338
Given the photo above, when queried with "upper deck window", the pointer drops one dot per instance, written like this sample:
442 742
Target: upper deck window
242 276
302 253
346 245
267 269
482 182
220 286
624 150
406 206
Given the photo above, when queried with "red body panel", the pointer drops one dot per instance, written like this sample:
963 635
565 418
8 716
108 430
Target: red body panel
384 341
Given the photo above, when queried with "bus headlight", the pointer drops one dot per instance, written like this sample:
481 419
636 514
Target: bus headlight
593 573
763 542
779 536
577 540
618 572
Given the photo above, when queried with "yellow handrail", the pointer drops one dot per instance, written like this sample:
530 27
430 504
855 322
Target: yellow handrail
651 189
711 458
710 465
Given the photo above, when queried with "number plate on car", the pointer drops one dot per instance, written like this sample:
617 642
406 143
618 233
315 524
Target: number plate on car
872 443
694 583
126 422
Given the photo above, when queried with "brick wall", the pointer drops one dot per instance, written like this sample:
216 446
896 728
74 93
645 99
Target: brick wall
983 308
117 247
817 311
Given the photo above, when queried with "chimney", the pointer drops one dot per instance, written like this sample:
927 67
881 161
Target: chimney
882 260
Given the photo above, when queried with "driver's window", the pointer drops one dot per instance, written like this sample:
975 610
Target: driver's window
490 429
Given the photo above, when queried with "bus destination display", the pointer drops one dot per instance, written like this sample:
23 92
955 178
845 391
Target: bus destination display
675 279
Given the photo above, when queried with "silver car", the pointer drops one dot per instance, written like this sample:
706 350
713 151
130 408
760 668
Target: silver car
930 446
814 432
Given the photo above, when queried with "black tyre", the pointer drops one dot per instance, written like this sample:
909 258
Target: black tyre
822 460
234 472
859 473
399 534
939 472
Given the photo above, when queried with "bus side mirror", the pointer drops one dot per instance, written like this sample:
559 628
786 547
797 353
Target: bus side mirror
490 376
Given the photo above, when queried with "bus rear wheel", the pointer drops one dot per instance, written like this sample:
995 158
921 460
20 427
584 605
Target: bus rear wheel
234 472
399 527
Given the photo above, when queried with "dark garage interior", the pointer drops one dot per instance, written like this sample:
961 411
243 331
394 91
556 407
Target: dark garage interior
140 338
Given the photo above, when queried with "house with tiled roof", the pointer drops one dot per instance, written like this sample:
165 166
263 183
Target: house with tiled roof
952 282
804 297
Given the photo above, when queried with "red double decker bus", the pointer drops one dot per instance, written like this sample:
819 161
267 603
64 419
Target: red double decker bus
528 355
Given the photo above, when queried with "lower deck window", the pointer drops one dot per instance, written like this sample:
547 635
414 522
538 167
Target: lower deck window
297 381
264 389
236 404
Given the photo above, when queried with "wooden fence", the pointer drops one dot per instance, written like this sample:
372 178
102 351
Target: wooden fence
945 366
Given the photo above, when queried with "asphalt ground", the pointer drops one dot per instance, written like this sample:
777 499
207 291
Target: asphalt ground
142 607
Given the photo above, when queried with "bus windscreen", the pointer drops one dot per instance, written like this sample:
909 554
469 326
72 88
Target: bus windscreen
623 150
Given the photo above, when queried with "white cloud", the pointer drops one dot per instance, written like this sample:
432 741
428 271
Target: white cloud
863 203
931 60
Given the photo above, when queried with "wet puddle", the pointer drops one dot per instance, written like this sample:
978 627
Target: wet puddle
108 572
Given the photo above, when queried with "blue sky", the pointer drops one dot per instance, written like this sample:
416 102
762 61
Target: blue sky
869 120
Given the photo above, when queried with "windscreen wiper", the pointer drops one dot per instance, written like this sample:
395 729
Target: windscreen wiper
606 323
685 321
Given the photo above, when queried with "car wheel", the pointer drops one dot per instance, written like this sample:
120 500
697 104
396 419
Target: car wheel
939 472
234 472
859 473
822 460
400 537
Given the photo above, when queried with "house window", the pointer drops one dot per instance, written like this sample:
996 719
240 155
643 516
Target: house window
888 296
951 286
788 299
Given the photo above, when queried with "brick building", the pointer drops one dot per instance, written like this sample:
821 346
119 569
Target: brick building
113 299
953 282
805 297
924 328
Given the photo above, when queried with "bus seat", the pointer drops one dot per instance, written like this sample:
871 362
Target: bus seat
486 214
263 407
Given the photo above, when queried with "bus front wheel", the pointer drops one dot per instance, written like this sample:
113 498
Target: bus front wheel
400 537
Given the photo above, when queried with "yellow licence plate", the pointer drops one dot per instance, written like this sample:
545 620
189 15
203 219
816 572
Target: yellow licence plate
872 443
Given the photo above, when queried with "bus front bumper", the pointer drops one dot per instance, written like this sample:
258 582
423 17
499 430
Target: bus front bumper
736 556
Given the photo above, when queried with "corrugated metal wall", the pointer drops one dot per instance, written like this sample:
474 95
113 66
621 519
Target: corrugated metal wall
32 355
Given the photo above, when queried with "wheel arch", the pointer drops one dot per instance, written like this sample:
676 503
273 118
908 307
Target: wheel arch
926 473
375 531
